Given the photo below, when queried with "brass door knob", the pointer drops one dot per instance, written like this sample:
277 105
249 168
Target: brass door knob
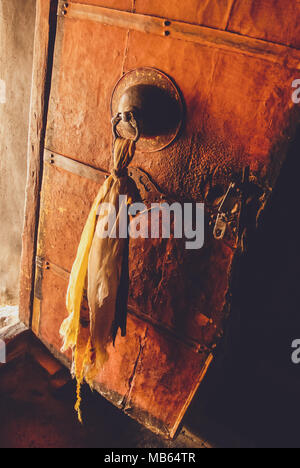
147 106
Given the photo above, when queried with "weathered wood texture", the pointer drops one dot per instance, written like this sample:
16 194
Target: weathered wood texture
44 28
210 37
271 20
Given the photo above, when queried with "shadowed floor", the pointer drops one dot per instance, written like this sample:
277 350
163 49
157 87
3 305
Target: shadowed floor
37 412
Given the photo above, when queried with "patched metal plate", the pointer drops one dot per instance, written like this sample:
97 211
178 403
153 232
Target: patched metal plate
149 77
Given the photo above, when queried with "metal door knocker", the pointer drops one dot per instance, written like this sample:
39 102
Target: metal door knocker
147 107
128 118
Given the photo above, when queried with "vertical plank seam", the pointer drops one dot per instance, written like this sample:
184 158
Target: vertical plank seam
133 8
47 87
230 11
142 343
125 51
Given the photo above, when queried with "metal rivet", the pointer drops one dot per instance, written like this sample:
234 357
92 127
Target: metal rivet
167 23
64 12
167 33
66 5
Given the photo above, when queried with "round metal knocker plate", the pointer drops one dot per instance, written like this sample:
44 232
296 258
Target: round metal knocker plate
157 104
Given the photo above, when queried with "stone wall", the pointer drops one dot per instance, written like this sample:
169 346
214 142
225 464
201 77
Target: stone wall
17 19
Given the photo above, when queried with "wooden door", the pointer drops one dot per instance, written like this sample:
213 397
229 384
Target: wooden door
237 91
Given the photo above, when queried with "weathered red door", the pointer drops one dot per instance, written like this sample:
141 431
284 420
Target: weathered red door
237 90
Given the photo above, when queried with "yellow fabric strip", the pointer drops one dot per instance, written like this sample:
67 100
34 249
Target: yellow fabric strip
102 257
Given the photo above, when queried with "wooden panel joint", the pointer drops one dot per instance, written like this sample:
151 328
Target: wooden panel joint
166 27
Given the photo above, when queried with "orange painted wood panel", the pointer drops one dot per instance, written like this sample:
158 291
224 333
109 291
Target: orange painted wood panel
129 378
168 373
115 378
180 288
219 90
53 309
126 5
88 62
117 374
270 20
65 205
212 13
156 266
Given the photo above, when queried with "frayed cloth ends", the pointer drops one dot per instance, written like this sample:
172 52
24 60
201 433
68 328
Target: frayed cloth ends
97 267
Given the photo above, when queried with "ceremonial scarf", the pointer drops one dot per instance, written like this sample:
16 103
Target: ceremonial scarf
98 269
